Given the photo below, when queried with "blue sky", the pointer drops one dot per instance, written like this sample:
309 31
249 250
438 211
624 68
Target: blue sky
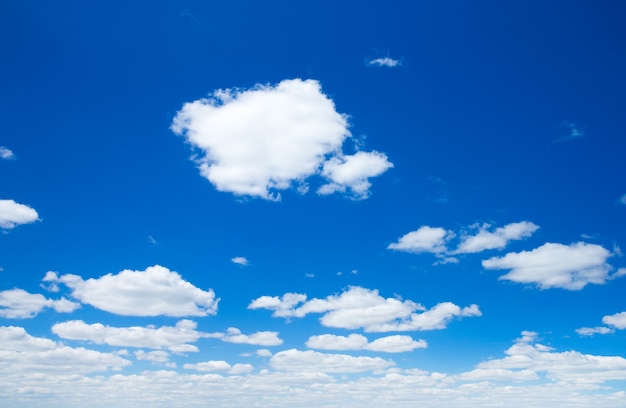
312 204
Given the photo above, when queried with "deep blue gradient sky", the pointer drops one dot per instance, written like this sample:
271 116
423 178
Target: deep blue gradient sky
438 126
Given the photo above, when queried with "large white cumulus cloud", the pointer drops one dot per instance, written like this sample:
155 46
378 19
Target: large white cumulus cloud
359 307
154 292
259 141
553 265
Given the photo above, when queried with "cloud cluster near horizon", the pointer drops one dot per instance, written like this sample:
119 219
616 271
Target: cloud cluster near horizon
260 141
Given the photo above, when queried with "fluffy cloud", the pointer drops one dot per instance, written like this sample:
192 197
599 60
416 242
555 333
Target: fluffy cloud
529 374
240 260
257 142
153 292
6 153
617 320
568 366
296 360
13 214
156 356
263 338
173 338
435 239
353 172
425 239
497 239
22 352
552 265
219 366
364 308
19 304
389 344
384 62
622 200
590 331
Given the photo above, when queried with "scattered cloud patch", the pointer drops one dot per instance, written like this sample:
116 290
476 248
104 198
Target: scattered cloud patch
568 366
213 366
435 240
173 338
13 214
573 132
157 291
617 320
19 304
352 173
240 260
622 200
303 361
23 352
389 344
263 338
552 265
260 141
152 241
497 239
384 62
359 307
6 153
590 331
424 239
155 356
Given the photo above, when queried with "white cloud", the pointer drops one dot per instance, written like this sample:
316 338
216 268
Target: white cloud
389 344
263 338
240 260
425 239
364 308
13 214
384 62
573 132
559 366
25 353
497 239
19 304
156 356
257 142
6 153
173 338
622 200
590 331
153 292
302 361
353 172
219 366
552 265
263 353
617 320
529 374
333 342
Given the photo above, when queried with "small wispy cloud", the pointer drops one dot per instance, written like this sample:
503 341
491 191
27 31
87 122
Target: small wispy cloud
240 260
384 62
622 200
573 132
152 240
6 153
